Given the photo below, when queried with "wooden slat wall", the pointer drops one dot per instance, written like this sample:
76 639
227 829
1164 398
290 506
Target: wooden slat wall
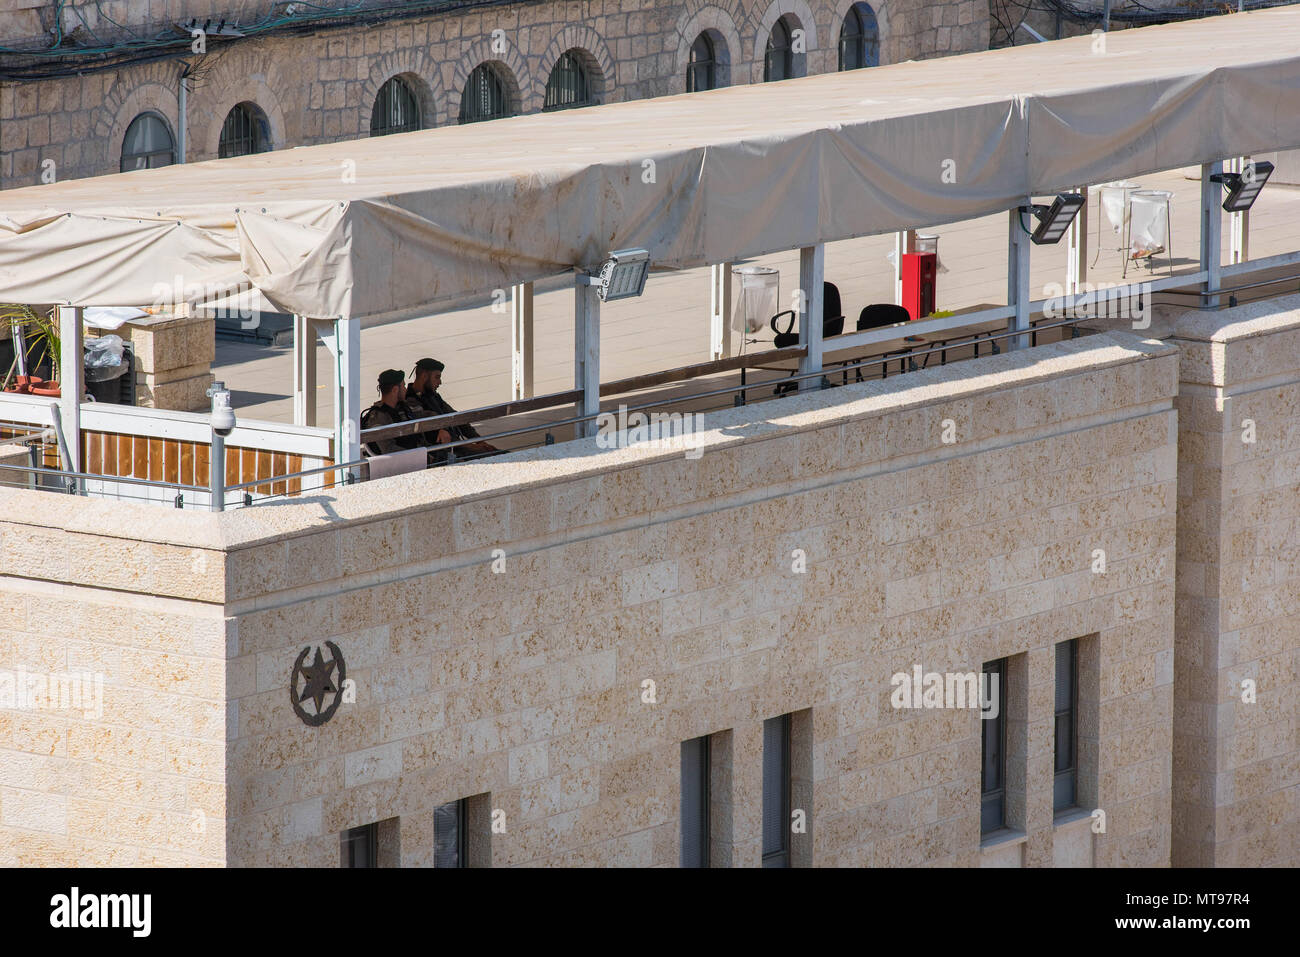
186 463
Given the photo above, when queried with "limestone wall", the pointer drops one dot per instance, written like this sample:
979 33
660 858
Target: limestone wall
524 689
528 684
1236 762
86 588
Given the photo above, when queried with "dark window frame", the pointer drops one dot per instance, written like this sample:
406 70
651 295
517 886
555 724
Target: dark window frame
784 48
859 37
708 64
150 155
1067 776
462 831
483 86
574 88
394 98
360 846
244 132
705 798
993 796
780 857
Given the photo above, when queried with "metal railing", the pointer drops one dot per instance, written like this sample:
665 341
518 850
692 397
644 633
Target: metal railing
245 494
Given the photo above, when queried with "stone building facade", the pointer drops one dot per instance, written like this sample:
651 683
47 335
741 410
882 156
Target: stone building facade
534 643
309 88
645 599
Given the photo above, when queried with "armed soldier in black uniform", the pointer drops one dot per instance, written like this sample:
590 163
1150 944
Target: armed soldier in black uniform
422 399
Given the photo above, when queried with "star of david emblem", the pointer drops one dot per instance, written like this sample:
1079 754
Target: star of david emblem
311 684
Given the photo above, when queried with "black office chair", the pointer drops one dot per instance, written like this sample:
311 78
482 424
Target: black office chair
874 317
832 325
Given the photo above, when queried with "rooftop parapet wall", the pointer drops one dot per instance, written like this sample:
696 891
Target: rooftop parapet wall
1235 758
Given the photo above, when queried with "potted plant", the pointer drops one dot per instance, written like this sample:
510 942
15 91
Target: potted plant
45 339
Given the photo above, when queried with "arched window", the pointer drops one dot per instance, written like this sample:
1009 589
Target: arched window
569 85
859 38
396 109
778 61
245 131
702 71
485 96
148 144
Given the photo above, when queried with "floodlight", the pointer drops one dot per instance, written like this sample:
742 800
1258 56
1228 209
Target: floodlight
623 274
1054 220
1244 187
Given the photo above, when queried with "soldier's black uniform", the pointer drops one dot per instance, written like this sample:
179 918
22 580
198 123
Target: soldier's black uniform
431 403
380 414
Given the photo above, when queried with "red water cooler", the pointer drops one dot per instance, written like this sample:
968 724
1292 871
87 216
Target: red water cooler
918 275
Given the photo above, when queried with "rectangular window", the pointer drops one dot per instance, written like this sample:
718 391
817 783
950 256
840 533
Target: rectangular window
360 846
449 833
1064 785
776 792
993 770
695 802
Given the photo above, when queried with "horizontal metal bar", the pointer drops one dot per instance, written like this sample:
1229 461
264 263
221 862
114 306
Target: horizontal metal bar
1256 265
110 478
700 369
1229 290
919 327
291 475
429 423
487 413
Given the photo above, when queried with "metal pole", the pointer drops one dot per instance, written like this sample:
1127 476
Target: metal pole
720 310
72 376
1018 279
217 473
1076 264
812 275
1211 230
222 422
586 352
521 341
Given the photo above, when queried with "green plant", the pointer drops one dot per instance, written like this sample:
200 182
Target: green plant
46 337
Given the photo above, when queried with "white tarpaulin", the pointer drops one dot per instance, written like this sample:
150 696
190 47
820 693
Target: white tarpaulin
374 226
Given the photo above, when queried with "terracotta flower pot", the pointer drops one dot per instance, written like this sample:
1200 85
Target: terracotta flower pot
22 385
50 389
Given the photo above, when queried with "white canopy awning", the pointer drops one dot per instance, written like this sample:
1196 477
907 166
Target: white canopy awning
374 226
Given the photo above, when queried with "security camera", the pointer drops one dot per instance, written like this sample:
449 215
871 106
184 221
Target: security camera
223 416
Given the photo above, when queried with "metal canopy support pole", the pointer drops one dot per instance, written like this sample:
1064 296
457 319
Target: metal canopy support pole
304 371
72 375
904 242
345 344
1018 279
1076 265
521 341
812 275
720 311
1239 223
1211 230
586 353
